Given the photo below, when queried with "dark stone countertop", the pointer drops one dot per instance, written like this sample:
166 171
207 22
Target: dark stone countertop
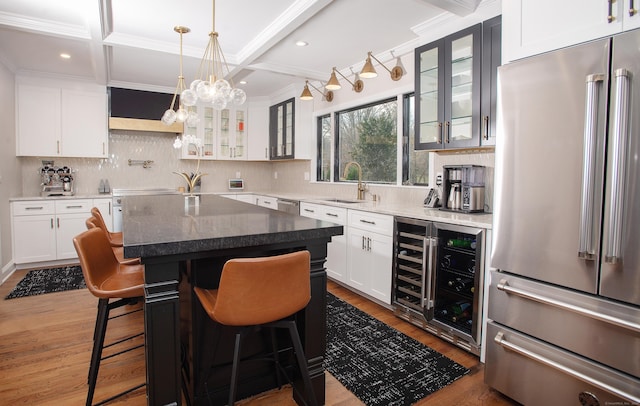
162 225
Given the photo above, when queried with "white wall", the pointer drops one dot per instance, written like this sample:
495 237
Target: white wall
10 172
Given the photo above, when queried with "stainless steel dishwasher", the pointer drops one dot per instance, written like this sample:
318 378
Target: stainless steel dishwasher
289 206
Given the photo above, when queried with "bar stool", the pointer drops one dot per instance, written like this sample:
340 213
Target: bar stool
260 292
107 279
115 238
118 250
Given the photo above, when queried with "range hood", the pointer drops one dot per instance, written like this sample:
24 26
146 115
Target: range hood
138 110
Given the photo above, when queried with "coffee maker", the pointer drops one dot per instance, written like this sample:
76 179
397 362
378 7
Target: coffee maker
56 181
463 188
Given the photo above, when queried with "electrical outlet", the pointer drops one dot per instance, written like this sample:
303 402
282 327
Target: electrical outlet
306 176
439 178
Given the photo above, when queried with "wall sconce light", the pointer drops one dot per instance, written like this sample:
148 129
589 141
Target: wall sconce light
357 86
307 95
333 83
368 71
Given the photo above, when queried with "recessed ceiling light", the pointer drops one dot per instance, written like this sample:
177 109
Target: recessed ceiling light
64 55
302 43
243 82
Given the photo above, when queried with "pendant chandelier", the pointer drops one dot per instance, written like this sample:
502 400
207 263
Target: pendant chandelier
170 116
210 85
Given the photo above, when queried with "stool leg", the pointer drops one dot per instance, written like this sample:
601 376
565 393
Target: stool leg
98 343
276 357
235 368
302 361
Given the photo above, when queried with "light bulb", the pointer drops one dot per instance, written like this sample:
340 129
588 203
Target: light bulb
188 97
237 96
177 143
181 115
169 117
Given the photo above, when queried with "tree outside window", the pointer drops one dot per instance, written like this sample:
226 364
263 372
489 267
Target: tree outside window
368 136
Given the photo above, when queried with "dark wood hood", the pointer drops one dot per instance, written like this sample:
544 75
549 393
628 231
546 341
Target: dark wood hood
139 110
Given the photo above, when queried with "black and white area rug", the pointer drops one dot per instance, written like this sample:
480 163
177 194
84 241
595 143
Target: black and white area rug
379 364
40 281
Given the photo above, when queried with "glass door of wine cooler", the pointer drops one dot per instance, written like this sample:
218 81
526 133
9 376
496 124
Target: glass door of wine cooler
458 276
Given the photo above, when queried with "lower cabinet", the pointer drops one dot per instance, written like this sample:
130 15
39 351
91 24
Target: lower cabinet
267 201
369 259
43 230
336 263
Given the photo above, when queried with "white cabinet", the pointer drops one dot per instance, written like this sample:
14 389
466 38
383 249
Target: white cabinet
535 26
44 230
258 136
53 121
336 264
369 259
232 137
223 133
267 201
105 205
247 198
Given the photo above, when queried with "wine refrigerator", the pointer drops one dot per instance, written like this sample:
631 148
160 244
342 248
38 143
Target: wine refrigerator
438 272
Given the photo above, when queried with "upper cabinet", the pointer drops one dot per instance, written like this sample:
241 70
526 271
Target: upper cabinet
491 59
58 122
535 26
447 81
223 133
281 130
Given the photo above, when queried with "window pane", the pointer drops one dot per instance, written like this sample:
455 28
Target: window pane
368 136
415 162
325 141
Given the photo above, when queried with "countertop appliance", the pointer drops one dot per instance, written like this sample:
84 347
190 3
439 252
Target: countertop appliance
564 305
437 280
119 194
289 206
55 181
463 188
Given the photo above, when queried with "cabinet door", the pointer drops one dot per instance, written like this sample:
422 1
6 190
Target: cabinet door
38 121
463 55
281 130
535 26
258 135
380 250
358 259
34 238
491 60
67 227
84 124
448 79
336 264
232 134
106 209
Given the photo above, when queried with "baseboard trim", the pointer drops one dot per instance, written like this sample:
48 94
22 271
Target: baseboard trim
7 271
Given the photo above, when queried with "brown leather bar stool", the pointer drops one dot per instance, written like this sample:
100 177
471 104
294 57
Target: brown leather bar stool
118 250
107 279
114 238
265 292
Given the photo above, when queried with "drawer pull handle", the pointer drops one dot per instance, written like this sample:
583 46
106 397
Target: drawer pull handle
499 339
309 211
34 208
373 223
503 285
74 207
332 214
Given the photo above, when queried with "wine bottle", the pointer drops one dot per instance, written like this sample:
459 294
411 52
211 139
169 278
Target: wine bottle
460 284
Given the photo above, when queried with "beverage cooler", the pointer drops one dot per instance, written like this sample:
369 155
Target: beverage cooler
438 271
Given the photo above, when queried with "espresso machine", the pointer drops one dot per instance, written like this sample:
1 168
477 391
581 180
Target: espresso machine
56 181
463 188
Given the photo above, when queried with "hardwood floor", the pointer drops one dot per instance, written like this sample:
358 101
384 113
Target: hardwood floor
45 346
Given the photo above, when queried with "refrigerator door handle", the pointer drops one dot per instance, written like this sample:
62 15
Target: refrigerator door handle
501 340
613 249
592 103
503 285
431 260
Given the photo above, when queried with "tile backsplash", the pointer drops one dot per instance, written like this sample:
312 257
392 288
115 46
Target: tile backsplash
290 177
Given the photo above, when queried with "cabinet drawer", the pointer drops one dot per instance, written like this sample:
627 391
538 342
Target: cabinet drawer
377 223
333 214
31 208
311 210
74 206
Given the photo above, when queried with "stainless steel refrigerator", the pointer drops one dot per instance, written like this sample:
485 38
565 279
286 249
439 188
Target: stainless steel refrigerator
564 302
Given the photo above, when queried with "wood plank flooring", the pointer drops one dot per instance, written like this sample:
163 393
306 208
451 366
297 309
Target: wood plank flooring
45 347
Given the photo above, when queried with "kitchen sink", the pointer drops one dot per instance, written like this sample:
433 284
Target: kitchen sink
336 200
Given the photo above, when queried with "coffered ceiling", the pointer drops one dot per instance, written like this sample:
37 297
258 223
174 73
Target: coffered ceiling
132 44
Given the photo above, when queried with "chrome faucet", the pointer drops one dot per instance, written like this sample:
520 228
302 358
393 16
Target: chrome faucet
361 187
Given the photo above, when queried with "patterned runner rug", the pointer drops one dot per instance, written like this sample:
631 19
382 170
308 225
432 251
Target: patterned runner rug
379 364
40 281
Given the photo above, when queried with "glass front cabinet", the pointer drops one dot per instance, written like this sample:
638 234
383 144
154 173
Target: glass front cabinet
448 86
223 133
281 130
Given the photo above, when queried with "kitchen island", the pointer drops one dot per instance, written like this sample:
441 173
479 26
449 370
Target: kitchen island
183 244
